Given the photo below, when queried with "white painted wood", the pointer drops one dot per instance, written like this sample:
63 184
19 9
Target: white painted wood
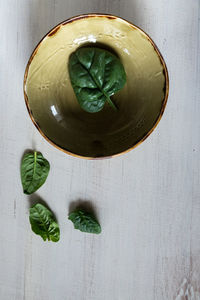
148 201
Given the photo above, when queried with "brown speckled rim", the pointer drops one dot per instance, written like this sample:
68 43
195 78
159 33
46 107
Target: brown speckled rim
92 15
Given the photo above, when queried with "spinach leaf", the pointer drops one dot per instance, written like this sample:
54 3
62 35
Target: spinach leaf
96 75
34 171
84 221
43 223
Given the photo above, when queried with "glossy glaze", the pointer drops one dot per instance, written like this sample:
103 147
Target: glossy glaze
53 105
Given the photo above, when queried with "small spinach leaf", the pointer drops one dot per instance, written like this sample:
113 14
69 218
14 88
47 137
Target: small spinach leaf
85 221
96 75
34 171
43 223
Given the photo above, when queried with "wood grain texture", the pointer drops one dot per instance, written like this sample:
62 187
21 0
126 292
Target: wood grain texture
147 201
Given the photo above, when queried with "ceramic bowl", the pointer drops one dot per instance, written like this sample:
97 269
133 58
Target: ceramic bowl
53 106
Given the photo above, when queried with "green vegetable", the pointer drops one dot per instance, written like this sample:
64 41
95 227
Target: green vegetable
96 75
84 221
43 223
34 171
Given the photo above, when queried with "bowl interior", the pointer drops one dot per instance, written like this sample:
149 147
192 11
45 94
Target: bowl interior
52 103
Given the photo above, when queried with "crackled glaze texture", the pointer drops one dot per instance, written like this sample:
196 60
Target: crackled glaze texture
54 107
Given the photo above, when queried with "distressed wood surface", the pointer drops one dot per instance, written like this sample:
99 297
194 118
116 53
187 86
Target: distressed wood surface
147 201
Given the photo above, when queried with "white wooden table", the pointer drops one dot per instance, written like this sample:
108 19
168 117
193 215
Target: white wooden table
147 201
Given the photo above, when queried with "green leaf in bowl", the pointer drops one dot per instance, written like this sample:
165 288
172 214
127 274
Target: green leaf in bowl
96 75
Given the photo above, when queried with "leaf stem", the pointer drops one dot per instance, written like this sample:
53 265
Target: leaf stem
110 102
35 159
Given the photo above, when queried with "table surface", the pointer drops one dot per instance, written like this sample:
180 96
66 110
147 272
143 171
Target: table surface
147 201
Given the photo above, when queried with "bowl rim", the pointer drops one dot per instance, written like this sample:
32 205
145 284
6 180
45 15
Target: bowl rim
51 33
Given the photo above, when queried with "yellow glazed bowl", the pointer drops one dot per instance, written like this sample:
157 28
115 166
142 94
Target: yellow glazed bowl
52 104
